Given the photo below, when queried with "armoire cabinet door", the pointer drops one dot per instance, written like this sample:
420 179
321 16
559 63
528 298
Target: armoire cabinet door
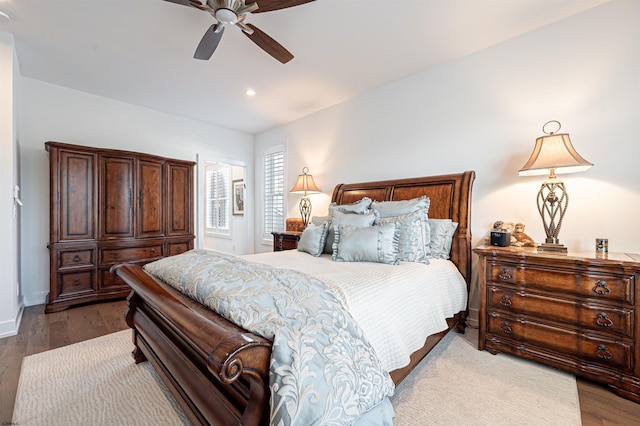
150 199
77 199
116 197
180 179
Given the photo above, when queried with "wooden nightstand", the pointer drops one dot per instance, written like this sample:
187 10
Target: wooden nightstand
285 240
575 311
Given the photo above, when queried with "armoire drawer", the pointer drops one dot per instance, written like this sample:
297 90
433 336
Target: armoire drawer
130 254
601 286
177 248
76 282
605 319
76 258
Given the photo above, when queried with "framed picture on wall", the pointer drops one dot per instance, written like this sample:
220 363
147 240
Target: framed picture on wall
237 188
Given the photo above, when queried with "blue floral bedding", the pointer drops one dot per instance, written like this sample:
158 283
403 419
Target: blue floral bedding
323 370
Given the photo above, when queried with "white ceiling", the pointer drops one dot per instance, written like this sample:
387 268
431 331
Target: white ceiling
141 51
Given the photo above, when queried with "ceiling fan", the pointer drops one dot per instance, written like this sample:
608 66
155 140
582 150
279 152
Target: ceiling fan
234 12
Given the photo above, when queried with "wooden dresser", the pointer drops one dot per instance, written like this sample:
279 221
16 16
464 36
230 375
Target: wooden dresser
575 311
108 207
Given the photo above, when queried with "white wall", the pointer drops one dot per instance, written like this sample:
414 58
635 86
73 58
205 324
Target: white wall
50 112
484 112
10 297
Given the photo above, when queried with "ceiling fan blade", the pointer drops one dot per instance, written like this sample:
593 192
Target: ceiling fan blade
270 5
268 44
209 42
182 2
193 3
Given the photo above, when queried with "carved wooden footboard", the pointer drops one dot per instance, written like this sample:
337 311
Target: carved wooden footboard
217 371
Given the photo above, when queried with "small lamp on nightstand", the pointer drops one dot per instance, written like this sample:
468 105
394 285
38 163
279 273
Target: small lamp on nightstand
553 154
305 185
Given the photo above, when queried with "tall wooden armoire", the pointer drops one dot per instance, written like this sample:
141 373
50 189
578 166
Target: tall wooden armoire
111 206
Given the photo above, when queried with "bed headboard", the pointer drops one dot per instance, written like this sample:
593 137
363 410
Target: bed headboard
450 197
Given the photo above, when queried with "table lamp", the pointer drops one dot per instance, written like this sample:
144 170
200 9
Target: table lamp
305 185
553 154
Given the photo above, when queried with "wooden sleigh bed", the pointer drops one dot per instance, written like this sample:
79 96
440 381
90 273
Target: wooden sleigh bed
217 371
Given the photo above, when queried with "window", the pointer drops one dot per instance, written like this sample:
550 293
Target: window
273 192
217 197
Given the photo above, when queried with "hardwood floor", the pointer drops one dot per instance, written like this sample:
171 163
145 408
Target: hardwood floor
40 332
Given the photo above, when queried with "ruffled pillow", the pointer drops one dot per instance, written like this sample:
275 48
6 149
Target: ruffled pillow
359 207
413 236
340 218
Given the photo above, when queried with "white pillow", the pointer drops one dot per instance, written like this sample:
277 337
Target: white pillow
366 244
313 239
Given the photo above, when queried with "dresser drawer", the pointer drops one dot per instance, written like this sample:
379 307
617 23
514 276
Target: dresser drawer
600 286
586 348
76 282
73 258
130 254
600 318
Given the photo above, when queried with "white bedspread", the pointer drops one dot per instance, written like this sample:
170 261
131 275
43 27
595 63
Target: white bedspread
397 306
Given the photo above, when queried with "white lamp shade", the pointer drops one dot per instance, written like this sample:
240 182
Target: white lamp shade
555 152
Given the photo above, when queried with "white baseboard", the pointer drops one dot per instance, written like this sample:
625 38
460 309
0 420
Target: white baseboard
11 327
35 298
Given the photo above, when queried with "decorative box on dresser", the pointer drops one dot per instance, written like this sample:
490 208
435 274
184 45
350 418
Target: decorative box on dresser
108 207
575 311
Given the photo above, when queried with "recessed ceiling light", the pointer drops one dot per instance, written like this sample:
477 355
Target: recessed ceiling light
5 15
250 92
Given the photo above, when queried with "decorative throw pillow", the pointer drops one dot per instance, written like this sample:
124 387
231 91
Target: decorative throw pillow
401 207
413 233
313 239
371 244
340 218
359 207
442 231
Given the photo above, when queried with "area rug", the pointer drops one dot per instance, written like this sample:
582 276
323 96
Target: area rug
96 383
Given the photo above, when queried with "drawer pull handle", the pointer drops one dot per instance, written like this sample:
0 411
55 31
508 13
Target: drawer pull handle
115 255
505 275
603 320
178 249
505 300
76 282
603 352
601 288
505 328
76 258
153 251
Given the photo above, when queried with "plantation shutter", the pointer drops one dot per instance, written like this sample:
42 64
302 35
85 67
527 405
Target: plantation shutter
273 193
217 197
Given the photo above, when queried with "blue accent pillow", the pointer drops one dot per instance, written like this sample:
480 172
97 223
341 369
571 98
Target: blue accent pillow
313 238
366 244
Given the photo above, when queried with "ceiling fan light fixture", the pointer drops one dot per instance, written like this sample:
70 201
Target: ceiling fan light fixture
250 92
226 16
